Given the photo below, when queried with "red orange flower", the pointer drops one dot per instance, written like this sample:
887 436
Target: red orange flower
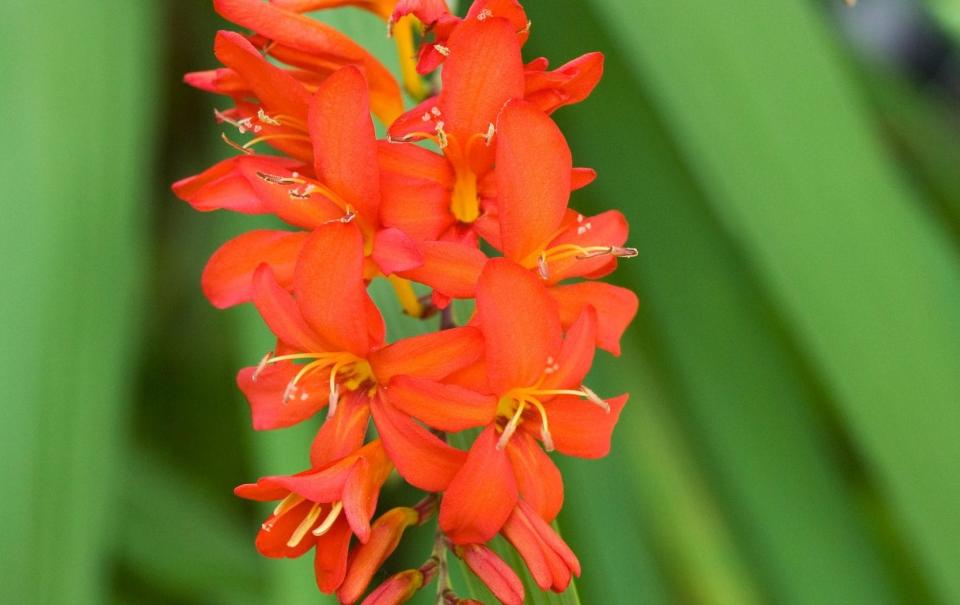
508 381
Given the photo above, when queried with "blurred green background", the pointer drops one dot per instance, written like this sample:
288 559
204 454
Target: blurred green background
791 171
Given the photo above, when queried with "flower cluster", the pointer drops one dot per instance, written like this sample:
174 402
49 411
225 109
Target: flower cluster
465 198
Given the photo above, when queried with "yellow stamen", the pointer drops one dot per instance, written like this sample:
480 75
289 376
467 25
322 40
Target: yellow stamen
511 426
304 527
329 520
405 294
403 32
287 504
274 137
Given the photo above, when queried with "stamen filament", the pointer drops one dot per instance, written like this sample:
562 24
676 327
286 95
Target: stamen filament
287 504
331 518
304 527
511 427
273 137
544 423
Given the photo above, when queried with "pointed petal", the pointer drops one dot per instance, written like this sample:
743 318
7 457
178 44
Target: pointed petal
576 354
511 10
330 562
366 560
580 428
328 283
606 229
344 432
581 177
484 70
362 489
224 185
554 544
278 91
521 534
228 277
267 390
344 142
394 251
415 185
450 268
615 306
538 478
420 456
568 84
444 407
286 201
275 532
432 356
491 569
281 313
481 496
533 179
520 324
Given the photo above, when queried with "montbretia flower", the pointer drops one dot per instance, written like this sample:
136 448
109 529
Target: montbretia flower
322 509
331 339
528 386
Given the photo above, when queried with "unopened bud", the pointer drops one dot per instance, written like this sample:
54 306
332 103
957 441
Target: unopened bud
367 558
398 588
497 575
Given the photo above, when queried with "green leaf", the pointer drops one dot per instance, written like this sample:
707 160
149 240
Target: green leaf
863 281
77 107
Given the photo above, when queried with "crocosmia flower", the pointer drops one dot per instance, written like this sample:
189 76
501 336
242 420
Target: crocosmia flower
466 196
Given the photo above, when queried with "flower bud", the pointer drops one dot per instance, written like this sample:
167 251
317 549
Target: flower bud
367 558
497 575
397 589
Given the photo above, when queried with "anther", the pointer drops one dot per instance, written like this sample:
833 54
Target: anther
435 111
280 180
302 193
260 366
484 14
266 119
617 251
595 399
442 139
488 137
443 50
526 29
511 427
543 268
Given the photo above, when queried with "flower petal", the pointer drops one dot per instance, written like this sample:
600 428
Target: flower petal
281 314
538 478
568 84
344 432
445 407
366 560
278 91
267 393
481 496
228 277
420 456
275 532
533 180
328 283
330 561
394 251
605 229
344 142
225 186
615 306
581 428
286 201
484 71
520 324
432 356
576 354
450 268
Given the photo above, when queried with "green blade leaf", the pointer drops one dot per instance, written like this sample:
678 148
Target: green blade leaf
71 239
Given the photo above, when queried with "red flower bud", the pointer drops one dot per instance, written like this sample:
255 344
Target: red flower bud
397 589
367 558
497 575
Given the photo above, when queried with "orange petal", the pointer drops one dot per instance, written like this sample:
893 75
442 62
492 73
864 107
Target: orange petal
449 268
415 190
491 569
282 315
394 251
581 428
344 432
225 186
576 354
445 407
484 70
228 277
432 356
278 91
520 324
266 392
568 84
533 179
549 559
420 456
330 562
615 306
328 283
605 229
511 10
538 478
398 588
481 496
282 200
581 177
344 142
275 532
